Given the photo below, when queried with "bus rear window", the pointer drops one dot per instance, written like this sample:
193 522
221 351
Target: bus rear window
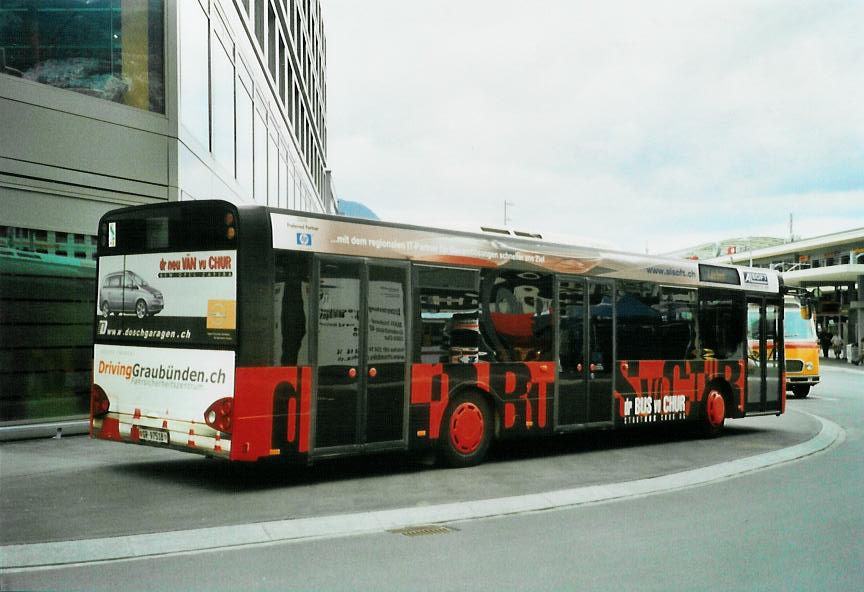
204 226
158 236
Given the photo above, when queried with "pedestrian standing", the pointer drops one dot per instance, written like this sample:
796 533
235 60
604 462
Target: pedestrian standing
837 344
825 342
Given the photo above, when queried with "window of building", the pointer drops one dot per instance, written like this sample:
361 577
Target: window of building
289 92
46 346
101 48
244 139
223 107
260 159
283 192
282 74
194 72
272 43
296 118
260 16
272 172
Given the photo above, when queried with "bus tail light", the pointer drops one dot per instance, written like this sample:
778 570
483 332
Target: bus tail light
230 230
218 415
99 402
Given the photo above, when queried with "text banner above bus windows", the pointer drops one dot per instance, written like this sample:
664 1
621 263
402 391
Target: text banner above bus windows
168 298
345 237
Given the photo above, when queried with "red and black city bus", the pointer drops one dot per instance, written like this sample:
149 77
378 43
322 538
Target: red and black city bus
246 332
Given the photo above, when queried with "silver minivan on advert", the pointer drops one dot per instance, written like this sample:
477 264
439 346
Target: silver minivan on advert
126 292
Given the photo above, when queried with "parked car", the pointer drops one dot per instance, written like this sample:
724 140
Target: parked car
126 292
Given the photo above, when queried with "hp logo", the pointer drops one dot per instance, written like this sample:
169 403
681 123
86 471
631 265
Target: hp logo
304 239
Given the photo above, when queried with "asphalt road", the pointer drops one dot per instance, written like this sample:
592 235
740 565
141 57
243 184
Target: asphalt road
76 488
796 526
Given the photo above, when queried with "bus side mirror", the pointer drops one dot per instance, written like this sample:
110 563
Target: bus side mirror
805 313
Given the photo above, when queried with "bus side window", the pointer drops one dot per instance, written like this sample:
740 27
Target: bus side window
722 323
291 309
655 322
678 331
517 312
637 321
449 322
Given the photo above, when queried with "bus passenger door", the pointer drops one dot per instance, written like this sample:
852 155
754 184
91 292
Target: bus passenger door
571 402
601 314
585 346
362 353
764 356
338 353
386 350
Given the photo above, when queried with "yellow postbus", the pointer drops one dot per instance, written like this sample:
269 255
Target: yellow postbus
802 349
801 346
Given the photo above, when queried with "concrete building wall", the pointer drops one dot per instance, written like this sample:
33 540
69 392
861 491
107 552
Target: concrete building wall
187 100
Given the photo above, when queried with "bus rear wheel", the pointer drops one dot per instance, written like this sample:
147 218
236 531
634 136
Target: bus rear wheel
801 390
714 417
466 431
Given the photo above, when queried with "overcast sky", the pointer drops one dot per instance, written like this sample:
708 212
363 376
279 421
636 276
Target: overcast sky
649 124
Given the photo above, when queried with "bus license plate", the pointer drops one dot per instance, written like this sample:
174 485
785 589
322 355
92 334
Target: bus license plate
150 435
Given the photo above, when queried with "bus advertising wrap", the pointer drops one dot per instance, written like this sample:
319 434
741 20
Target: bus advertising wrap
148 385
168 298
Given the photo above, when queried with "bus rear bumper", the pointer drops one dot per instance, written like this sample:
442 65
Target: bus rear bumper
184 436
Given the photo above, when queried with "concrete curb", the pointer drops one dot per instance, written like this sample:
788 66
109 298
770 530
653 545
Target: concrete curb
64 553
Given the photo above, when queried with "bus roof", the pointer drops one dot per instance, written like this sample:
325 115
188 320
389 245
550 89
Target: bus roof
487 247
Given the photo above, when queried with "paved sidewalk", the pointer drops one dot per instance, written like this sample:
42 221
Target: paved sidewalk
833 363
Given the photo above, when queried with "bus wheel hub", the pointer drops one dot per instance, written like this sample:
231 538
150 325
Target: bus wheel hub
716 408
466 428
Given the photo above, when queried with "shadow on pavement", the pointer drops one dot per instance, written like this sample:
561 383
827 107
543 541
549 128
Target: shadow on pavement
223 476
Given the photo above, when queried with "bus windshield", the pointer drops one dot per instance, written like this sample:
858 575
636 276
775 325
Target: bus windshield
797 328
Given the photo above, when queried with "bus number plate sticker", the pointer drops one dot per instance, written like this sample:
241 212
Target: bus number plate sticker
150 435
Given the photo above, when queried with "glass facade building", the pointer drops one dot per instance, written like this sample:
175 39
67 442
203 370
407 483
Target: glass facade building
108 103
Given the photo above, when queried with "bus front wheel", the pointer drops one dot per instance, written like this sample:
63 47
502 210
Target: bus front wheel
467 430
801 390
714 416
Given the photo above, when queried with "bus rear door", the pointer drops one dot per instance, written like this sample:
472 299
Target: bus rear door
362 354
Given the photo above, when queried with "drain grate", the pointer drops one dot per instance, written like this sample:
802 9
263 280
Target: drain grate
413 531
